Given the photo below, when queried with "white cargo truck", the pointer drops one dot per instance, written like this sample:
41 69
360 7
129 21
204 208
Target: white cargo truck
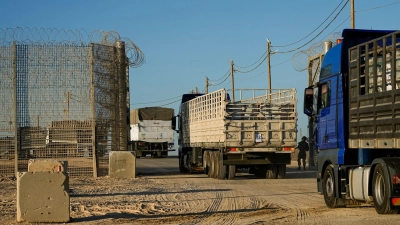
152 131
256 131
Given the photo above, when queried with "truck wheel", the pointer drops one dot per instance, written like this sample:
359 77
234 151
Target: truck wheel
216 165
212 165
328 188
222 169
381 192
231 172
281 171
271 172
223 172
206 161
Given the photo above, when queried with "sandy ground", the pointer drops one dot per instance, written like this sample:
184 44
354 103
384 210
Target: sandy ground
163 196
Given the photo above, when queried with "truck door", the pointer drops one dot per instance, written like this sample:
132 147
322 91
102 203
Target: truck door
327 128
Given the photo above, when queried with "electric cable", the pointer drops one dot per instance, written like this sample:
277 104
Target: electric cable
318 33
221 77
378 7
170 103
254 67
220 82
143 103
282 46
254 62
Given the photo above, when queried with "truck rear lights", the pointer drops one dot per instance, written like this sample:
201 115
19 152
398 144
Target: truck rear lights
288 149
233 149
396 179
396 201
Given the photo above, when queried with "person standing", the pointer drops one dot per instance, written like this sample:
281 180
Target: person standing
303 148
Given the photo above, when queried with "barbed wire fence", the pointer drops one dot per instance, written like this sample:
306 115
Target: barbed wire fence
64 95
309 59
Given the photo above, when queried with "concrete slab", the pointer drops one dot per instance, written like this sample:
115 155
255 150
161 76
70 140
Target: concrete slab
122 164
45 165
48 165
43 197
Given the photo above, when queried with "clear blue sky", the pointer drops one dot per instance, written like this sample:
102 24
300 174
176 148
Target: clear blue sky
186 40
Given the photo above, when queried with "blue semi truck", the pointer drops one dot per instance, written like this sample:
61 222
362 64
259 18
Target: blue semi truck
354 112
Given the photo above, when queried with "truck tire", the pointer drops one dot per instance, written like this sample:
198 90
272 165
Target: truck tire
231 172
328 189
206 161
216 165
222 169
271 171
213 164
281 171
381 192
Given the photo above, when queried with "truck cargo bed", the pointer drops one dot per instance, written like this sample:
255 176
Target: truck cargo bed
374 90
260 122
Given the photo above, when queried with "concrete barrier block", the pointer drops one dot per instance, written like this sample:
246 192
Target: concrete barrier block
43 197
122 164
45 165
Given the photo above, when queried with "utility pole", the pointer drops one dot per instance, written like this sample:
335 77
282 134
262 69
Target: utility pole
269 68
67 109
269 64
352 21
206 85
233 81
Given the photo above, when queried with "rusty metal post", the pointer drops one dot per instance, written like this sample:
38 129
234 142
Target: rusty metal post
233 81
93 122
14 62
122 96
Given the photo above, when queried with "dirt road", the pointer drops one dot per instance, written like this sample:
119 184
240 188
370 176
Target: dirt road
161 195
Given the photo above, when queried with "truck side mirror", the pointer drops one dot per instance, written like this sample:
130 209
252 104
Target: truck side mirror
173 126
308 101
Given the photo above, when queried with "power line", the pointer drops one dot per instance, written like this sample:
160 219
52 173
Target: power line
378 7
281 46
227 84
254 67
362 10
281 63
248 78
318 33
264 71
170 103
220 82
324 38
254 62
156 101
221 77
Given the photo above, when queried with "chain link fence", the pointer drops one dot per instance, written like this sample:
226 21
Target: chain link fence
63 99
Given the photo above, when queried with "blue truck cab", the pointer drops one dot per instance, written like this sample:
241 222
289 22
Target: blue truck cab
355 112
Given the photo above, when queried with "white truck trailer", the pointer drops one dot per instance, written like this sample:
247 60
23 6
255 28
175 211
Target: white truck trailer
219 134
152 131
